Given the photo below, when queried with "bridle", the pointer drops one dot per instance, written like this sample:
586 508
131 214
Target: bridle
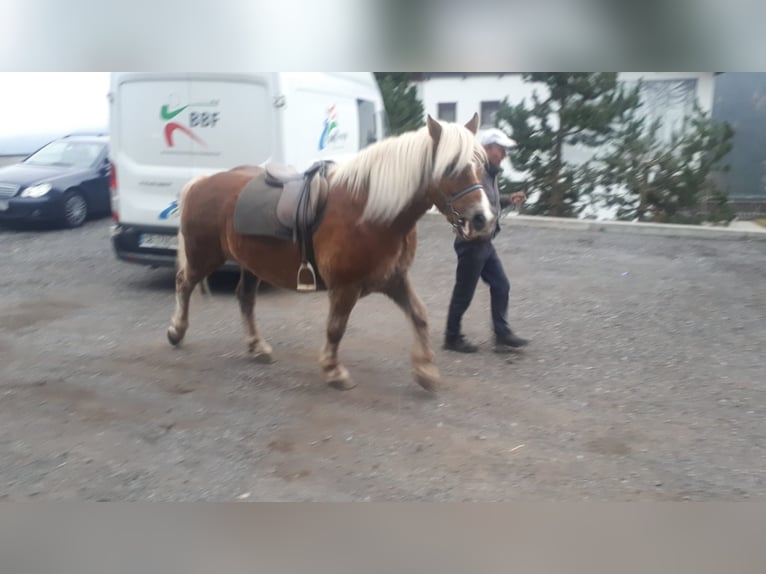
459 220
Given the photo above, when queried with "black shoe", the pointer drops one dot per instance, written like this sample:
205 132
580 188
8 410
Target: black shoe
504 343
460 345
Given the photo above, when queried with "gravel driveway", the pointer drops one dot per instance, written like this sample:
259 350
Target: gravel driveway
645 380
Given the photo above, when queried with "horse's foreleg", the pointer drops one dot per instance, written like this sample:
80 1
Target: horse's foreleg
246 291
342 301
400 290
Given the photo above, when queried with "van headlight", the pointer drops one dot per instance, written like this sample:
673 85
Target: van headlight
37 190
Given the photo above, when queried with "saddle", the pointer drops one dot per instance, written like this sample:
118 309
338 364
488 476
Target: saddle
286 204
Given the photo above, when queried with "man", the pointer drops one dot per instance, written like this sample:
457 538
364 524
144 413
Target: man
477 259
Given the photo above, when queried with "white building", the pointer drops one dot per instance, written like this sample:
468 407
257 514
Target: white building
455 96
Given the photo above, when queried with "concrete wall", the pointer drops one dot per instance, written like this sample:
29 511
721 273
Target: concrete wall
740 99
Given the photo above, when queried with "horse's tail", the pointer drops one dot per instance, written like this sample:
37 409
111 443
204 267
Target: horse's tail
181 252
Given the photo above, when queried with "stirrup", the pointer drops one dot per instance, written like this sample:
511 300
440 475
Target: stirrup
307 279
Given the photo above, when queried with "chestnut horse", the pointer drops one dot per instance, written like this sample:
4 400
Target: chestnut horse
365 242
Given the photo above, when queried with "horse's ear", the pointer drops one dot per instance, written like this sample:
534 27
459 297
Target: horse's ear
473 124
434 128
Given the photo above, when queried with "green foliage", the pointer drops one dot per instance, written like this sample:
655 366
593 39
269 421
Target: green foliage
647 179
577 109
632 168
403 108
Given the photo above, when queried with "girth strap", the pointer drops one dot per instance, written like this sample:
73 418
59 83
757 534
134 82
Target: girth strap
304 226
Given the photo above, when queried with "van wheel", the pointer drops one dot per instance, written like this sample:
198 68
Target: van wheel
75 210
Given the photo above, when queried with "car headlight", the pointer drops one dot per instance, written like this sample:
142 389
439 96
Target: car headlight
37 190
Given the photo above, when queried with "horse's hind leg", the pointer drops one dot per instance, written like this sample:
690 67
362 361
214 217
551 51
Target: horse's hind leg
180 321
400 290
191 270
246 291
342 301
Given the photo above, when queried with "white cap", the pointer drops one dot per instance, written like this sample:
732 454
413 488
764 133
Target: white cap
495 136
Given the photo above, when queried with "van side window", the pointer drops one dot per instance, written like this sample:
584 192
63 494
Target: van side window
367 130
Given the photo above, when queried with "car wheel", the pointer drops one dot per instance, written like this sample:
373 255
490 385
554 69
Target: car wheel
75 209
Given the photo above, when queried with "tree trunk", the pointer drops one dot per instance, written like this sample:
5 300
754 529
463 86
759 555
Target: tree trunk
557 189
643 189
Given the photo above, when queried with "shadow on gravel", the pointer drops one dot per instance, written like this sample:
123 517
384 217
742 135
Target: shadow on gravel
163 280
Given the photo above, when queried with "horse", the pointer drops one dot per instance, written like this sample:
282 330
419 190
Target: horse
365 242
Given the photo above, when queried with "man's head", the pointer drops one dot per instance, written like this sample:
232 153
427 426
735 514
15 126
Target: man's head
496 144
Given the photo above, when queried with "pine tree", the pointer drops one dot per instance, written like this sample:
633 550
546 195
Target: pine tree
627 176
400 97
577 109
648 179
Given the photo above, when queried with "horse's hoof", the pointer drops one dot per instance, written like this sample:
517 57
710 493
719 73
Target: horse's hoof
427 377
340 379
260 350
263 358
342 384
174 336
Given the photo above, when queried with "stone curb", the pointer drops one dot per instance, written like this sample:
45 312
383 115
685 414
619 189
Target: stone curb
662 229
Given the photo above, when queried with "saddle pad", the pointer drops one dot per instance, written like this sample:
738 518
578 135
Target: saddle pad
256 210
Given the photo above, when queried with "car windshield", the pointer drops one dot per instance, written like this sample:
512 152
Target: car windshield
67 154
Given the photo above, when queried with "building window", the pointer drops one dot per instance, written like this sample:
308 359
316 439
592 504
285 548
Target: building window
447 112
489 114
670 101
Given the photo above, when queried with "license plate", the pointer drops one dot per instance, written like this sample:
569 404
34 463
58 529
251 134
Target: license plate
4 205
157 241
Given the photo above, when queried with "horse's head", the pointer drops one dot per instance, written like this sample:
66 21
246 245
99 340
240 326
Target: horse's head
457 190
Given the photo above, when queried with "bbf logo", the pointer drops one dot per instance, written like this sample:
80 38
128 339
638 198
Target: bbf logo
203 119
196 119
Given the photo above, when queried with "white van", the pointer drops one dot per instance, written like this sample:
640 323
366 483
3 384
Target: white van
166 128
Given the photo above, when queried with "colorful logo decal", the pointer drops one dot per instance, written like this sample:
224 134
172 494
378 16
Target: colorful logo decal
170 211
330 126
197 119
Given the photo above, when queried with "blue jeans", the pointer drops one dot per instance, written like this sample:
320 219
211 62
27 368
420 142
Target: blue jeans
478 259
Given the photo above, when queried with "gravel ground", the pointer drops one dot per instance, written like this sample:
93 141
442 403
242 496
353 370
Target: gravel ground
644 380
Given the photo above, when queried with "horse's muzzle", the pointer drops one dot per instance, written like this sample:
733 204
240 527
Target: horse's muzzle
476 220
479 221
476 226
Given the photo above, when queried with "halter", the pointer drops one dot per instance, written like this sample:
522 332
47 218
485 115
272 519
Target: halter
459 219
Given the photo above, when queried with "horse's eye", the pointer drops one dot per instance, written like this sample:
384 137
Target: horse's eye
452 167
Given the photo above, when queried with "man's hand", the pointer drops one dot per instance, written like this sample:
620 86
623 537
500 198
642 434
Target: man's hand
518 198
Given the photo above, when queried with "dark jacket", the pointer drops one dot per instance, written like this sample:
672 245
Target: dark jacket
490 181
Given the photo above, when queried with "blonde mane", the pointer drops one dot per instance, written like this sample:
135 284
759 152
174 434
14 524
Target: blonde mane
395 171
